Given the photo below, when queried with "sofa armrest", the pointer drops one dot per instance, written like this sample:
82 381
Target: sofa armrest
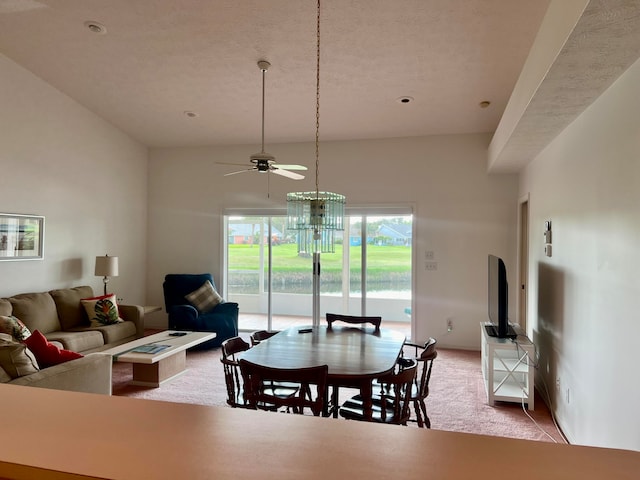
135 314
89 374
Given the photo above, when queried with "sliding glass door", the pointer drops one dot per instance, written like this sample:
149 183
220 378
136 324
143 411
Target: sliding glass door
272 280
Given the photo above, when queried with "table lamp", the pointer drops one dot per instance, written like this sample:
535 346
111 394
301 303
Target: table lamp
106 267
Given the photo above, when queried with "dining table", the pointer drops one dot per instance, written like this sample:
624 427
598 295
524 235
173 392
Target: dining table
354 356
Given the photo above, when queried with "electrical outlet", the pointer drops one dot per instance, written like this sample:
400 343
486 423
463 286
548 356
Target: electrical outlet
431 266
428 255
449 324
558 384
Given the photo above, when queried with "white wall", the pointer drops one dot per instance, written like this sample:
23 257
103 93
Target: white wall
87 178
461 213
585 319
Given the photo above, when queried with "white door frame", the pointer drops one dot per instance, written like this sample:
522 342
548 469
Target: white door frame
523 262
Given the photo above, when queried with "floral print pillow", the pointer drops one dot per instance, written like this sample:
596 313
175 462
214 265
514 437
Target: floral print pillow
14 327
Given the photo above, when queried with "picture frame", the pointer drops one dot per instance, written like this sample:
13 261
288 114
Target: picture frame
21 237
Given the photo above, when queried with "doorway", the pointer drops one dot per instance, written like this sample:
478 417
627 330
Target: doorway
523 261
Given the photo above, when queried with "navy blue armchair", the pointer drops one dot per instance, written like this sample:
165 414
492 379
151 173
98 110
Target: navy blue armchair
223 319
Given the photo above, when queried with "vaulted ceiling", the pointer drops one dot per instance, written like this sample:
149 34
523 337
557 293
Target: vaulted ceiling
161 58
184 73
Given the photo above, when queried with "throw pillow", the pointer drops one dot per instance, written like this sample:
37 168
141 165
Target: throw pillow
102 310
16 359
46 353
204 298
14 327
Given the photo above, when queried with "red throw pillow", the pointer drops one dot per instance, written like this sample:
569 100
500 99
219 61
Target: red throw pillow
46 353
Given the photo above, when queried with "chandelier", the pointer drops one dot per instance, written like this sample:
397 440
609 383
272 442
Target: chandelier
316 215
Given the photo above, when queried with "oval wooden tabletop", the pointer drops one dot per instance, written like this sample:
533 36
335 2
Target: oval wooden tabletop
348 351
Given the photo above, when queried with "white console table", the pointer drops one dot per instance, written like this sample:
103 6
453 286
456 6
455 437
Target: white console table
507 367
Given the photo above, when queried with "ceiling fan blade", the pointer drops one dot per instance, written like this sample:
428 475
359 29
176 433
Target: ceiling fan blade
239 171
289 167
236 164
287 173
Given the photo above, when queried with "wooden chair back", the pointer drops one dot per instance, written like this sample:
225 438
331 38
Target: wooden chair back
391 406
425 364
232 375
260 336
311 381
353 320
420 389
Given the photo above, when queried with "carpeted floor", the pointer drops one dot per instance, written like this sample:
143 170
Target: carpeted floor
457 400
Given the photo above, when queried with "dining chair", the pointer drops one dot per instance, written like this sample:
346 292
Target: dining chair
232 376
420 387
392 404
259 394
260 336
351 319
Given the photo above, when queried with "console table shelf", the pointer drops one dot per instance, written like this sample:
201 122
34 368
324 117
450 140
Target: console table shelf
507 368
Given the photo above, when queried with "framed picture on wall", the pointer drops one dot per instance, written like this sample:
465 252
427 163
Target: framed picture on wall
21 237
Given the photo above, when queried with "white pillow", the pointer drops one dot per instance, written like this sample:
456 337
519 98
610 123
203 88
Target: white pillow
204 298
16 359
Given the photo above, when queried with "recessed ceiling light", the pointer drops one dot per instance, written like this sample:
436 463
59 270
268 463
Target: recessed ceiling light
190 114
404 99
484 104
95 27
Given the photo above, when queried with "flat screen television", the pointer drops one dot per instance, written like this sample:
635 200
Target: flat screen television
498 300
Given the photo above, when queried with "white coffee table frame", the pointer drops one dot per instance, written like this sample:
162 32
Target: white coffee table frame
152 370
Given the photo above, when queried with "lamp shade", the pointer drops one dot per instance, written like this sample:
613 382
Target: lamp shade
106 266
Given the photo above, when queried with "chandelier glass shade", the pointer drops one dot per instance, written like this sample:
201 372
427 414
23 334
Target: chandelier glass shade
315 216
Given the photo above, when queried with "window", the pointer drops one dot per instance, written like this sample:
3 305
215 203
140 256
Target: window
272 281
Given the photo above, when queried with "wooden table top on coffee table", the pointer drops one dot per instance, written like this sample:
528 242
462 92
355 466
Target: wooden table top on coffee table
154 369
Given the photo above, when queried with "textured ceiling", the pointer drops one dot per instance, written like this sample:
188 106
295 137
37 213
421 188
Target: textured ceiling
160 58
603 42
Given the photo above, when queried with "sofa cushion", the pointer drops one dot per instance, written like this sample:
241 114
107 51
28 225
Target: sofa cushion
101 310
116 332
46 353
4 376
78 341
5 307
37 311
70 311
12 326
16 359
204 298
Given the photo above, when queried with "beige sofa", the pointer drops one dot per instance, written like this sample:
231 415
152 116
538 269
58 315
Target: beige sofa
60 317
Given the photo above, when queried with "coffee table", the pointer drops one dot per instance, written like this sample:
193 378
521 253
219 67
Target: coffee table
154 369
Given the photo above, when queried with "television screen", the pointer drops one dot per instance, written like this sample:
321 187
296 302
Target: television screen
498 299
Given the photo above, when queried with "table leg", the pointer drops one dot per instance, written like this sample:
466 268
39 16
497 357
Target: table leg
367 404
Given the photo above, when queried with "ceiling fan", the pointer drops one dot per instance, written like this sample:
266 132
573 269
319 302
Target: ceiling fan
263 161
